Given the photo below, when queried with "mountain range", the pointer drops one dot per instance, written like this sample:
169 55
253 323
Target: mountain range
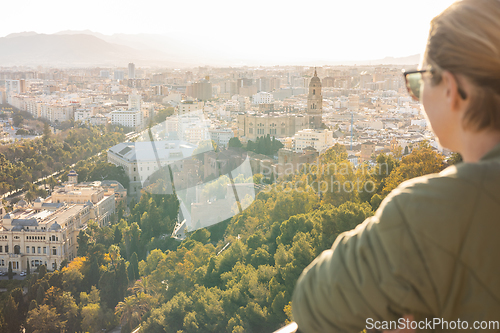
88 49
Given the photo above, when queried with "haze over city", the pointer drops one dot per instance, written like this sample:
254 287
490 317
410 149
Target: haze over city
245 33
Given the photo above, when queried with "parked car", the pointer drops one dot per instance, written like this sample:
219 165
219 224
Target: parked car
23 273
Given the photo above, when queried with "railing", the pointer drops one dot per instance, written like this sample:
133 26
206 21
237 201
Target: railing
290 328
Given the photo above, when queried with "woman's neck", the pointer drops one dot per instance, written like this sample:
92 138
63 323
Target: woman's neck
474 145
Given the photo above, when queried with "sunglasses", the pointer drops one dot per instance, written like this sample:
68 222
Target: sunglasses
414 81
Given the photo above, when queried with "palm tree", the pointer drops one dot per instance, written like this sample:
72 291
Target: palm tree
132 309
142 286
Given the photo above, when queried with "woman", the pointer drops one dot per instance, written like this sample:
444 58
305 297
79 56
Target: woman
431 253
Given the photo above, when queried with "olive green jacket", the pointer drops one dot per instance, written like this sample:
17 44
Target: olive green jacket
432 249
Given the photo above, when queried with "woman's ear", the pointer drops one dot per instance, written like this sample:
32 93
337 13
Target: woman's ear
452 95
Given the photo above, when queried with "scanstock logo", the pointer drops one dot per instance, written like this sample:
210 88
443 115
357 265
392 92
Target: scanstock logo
177 157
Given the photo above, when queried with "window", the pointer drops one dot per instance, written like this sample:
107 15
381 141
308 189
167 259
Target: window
27 249
54 251
39 250
6 249
44 250
32 249
1 248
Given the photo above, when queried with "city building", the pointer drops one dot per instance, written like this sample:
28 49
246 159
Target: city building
131 71
127 118
141 159
45 232
315 103
201 90
253 125
317 139
104 74
119 75
262 98
367 150
186 107
134 101
221 136
290 162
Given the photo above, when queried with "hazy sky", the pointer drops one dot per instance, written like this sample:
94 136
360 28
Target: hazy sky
265 29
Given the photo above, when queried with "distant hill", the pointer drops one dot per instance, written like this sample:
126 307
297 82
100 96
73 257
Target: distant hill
87 48
65 50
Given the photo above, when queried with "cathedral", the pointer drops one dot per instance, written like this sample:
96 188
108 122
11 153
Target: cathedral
315 103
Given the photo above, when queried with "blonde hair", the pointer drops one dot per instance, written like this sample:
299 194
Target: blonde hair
465 39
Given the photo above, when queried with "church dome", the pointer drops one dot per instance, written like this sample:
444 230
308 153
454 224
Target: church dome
315 79
55 226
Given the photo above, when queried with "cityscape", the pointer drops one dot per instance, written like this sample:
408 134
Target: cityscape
164 189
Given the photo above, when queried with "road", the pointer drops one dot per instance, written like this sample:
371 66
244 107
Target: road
131 136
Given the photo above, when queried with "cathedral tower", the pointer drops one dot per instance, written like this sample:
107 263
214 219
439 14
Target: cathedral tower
315 103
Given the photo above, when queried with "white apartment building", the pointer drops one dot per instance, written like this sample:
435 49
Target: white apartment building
262 98
221 136
56 112
127 118
98 120
134 101
193 128
104 74
13 87
34 107
187 107
82 114
118 75
318 139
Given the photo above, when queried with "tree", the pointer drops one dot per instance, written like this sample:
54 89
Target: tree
33 305
132 309
201 235
93 274
42 270
44 319
421 161
117 237
133 268
10 274
28 270
455 158
40 294
46 133
83 243
17 119
12 316
235 142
